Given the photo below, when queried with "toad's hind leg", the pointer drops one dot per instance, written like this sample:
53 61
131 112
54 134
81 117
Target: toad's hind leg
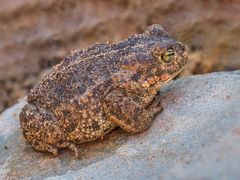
70 146
130 115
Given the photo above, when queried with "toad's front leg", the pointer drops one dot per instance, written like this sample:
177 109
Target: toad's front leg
130 115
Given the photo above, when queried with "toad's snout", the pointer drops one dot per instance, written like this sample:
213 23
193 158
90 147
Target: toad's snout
181 50
182 53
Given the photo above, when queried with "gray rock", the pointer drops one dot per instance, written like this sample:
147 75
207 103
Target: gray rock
197 136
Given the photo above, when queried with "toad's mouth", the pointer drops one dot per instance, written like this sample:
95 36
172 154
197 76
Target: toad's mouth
165 78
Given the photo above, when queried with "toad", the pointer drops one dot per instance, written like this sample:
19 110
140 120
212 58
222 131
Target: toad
97 89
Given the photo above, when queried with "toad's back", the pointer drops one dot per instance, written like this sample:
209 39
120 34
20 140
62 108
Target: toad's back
86 71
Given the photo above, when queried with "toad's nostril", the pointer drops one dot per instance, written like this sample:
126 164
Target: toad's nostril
180 48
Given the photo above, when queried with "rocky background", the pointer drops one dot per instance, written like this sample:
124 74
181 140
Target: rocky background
34 35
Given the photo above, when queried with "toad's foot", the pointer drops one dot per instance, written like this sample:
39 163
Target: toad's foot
70 146
46 147
156 103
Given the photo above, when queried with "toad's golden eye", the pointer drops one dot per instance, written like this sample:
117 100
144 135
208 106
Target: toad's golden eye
168 55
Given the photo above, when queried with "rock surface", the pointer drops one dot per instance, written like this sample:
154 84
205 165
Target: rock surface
197 136
37 34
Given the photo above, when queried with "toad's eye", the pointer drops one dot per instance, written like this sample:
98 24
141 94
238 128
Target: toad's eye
168 55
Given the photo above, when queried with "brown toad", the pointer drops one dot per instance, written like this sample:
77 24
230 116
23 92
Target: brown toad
97 89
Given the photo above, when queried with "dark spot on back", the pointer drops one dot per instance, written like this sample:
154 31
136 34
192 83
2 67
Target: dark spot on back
71 127
65 113
95 125
136 77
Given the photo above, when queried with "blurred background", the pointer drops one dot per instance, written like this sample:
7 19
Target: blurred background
35 35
